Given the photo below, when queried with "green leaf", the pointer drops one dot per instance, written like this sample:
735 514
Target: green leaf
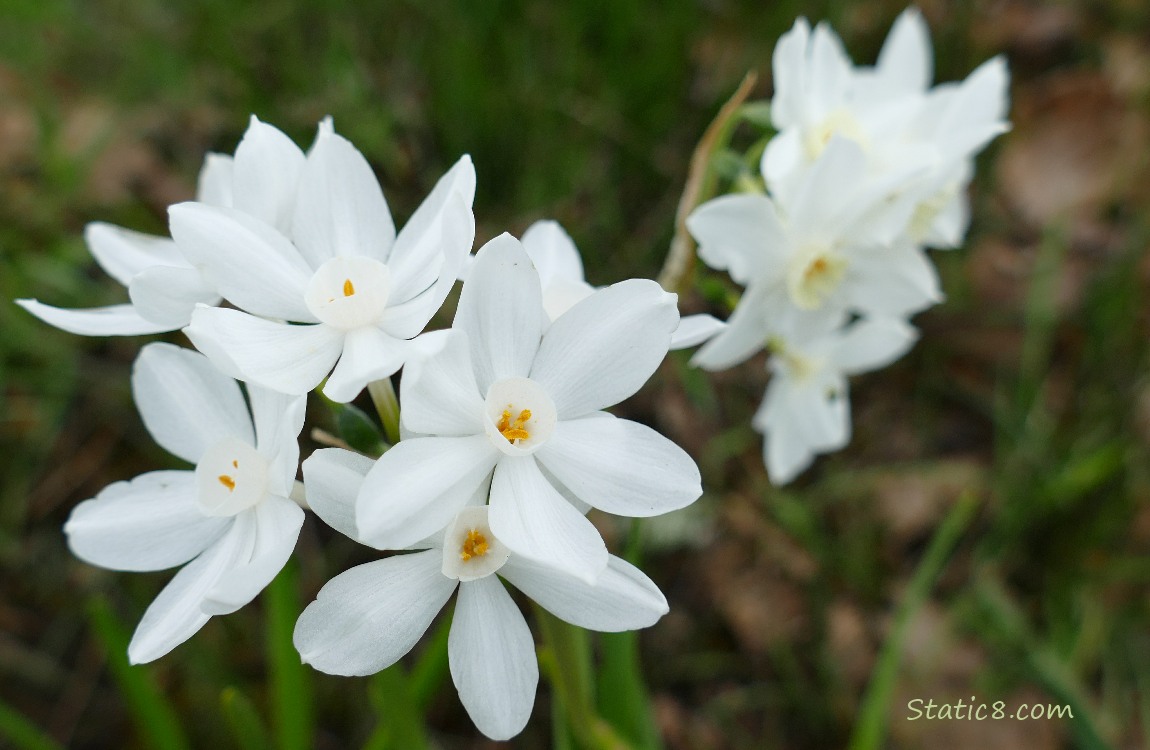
244 721
153 715
22 733
358 429
400 721
291 701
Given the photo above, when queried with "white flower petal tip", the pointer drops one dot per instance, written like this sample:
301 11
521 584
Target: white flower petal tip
694 330
621 598
492 659
114 320
470 550
332 481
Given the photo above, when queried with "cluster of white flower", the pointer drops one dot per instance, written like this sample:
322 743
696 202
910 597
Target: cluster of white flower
505 445
505 442
868 168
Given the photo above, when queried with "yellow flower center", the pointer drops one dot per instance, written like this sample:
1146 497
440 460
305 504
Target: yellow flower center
228 482
516 430
814 276
348 288
475 545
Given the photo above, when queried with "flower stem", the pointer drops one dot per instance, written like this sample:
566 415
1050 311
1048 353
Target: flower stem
568 663
387 406
700 185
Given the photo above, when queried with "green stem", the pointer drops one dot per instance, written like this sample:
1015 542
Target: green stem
875 710
290 680
387 406
700 186
569 665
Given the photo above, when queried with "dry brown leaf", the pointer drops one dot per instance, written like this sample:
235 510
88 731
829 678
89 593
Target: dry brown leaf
1075 148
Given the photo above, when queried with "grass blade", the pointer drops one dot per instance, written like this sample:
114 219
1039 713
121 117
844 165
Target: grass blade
290 680
873 715
247 728
22 733
155 717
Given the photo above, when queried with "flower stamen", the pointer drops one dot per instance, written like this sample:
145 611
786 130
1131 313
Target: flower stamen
227 481
475 545
348 288
516 430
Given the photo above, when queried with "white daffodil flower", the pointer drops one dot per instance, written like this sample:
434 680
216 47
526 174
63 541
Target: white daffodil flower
230 519
835 244
560 269
330 284
506 395
141 262
806 410
889 110
367 618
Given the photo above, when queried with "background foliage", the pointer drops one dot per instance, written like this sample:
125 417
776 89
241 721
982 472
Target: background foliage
1029 391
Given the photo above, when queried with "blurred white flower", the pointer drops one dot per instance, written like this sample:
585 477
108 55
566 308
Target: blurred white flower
366 619
229 519
328 283
560 269
142 263
890 112
509 396
806 410
834 244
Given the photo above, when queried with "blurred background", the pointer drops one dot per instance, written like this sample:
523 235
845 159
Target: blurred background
1028 392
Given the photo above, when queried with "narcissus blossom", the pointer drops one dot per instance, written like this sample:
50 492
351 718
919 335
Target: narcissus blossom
366 619
890 112
832 245
229 521
142 263
560 270
806 410
329 284
510 396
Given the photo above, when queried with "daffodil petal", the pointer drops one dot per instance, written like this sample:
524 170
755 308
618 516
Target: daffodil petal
621 467
114 320
332 479
340 208
176 614
367 618
492 657
622 597
418 486
606 347
149 523
287 358
439 392
501 310
276 528
368 354
186 404
534 520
